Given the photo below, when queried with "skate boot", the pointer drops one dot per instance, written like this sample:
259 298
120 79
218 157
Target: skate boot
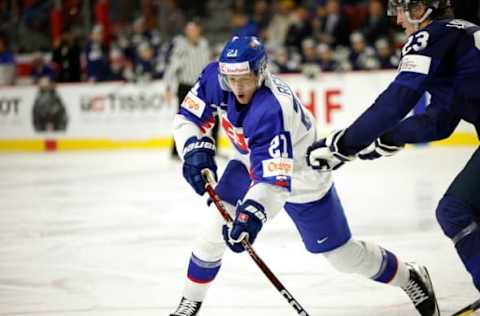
187 308
420 291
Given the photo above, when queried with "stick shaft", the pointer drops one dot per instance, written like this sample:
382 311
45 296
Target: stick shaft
209 182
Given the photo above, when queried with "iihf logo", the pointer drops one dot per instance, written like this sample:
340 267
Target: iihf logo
232 52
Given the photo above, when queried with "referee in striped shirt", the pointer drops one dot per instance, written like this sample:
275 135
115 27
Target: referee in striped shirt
190 54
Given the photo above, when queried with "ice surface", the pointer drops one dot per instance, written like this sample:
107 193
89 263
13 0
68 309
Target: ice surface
109 233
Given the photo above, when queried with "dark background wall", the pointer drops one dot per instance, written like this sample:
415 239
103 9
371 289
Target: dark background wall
467 10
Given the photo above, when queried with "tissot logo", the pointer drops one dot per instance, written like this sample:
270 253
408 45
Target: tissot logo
115 103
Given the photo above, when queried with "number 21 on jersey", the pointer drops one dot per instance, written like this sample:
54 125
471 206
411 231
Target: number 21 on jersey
281 146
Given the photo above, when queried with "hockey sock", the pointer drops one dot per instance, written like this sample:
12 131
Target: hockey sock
371 261
392 270
468 250
200 275
457 219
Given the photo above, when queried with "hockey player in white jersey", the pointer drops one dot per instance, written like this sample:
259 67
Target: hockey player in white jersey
270 131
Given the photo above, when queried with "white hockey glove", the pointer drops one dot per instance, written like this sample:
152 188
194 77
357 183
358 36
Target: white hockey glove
324 154
378 149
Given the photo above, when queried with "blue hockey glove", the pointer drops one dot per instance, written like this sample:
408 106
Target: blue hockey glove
378 149
198 154
248 222
324 154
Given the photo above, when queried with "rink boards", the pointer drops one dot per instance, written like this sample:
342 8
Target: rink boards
123 115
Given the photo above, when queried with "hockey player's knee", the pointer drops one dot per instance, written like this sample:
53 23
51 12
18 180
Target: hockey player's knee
209 244
454 216
355 257
209 251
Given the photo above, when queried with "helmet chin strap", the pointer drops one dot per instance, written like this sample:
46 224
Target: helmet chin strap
261 78
416 22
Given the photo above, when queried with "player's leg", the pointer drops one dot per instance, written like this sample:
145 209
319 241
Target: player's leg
458 213
206 258
324 229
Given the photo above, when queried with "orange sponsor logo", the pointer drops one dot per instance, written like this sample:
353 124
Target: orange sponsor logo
286 167
191 104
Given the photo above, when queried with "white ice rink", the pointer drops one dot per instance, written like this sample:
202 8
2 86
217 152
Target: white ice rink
109 233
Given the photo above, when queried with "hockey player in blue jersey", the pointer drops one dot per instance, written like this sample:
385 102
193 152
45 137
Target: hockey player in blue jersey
270 131
442 57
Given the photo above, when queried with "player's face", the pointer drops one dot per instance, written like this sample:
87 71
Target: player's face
403 21
243 86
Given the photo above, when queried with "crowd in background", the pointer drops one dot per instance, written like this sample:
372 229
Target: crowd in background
310 36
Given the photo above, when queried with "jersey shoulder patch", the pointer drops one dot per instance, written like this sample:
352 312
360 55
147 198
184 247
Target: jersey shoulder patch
415 63
194 104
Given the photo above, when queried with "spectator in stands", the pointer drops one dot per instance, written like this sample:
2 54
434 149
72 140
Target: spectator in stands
145 67
242 25
325 58
40 69
385 55
120 67
34 20
261 14
280 23
7 63
309 55
96 56
376 24
299 29
362 56
140 35
190 54
171 19
310 66
334 25
281 63
66 58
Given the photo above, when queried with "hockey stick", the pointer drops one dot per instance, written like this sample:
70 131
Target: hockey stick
209 183
469 310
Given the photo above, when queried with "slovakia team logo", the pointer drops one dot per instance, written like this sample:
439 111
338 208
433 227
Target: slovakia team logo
236 136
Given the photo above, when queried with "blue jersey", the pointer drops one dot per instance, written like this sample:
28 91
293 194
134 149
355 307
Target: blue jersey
270 135
442 59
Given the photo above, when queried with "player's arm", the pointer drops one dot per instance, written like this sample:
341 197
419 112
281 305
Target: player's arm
341 146
271 161
391 106
418 69
438 122
191 123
